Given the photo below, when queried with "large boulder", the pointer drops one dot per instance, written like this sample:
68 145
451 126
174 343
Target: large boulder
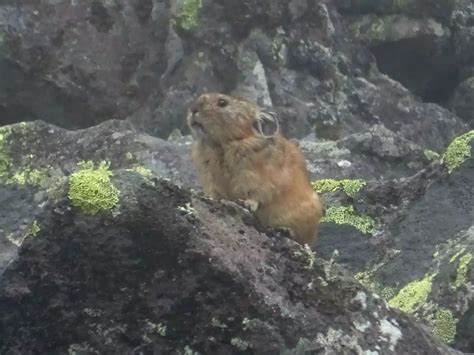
148 268
411 240
297 57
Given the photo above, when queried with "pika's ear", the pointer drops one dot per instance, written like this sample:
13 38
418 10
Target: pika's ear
267 124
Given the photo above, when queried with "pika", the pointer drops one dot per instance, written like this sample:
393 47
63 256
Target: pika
241 155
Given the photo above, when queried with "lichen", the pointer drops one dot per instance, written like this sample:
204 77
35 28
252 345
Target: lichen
414 295
458 151
369 30
347 215
470 82
91 190
431 155
239 343
367 280
142 171
307 255
350 186
462 270
28 176
5 162
444 325
187 15
34 229
155 328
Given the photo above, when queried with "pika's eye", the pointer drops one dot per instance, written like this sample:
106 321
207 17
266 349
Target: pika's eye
222 102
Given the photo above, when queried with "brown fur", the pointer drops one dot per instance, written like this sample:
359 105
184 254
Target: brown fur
235 161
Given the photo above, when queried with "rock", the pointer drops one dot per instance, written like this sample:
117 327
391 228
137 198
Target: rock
294 57
463 101
76 64
151 275
36 158
441 9
419 255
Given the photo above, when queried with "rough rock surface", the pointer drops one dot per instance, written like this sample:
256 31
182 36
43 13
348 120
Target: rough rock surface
420 256
36 157
164 272
361 82
298 57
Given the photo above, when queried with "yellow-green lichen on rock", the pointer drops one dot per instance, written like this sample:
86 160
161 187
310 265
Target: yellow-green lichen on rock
444 325
91 190
5 162
347 215
34 229
142 171
367 280
463 269
369 29
414 295
186 17
28 176
350 186
431 155
458 151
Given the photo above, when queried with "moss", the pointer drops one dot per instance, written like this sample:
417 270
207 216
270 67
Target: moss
444 325
458 151
187 16
350 186
91 189
346 215
367 280
463 269
411 297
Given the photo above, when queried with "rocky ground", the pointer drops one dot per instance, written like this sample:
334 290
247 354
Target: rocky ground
380 95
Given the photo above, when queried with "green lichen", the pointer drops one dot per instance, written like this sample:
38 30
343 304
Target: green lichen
347 215
458 151
28 177
414 295
462 270
350 186
367 280
431 155
5 162
91 190
369 30
34 229
470 82
142 171
444 325
187 16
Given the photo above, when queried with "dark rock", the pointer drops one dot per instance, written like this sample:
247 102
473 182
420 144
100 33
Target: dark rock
76 64
295 57
40 156
463 101
159 274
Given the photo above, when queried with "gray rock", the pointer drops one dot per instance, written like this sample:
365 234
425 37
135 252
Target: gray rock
158 275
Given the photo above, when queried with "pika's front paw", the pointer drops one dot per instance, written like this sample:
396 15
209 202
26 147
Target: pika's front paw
251 205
